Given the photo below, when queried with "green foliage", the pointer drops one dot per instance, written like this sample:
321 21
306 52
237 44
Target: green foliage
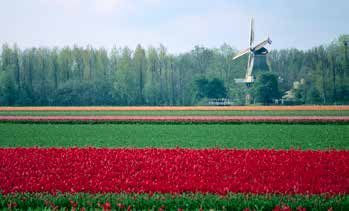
124 82
158 201
202 58
265 89
202 87
216 89
210 88
7 89
242 136
297 94
84 93
155 77
139 61
324 69
238 92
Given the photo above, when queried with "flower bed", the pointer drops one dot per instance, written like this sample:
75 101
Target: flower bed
218 119
174 108
219 171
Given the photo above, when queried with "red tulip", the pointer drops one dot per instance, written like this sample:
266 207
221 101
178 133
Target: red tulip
173 171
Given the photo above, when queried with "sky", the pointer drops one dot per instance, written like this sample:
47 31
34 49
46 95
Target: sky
178 24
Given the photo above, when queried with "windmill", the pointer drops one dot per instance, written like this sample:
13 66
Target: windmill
256 58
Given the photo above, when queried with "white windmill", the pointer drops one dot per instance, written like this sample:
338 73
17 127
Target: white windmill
256 58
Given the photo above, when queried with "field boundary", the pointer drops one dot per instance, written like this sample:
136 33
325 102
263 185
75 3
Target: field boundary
176 108
198 119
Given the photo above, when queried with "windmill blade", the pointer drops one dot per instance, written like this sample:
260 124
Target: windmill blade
251 32
249 65
261 44
241 53
248 76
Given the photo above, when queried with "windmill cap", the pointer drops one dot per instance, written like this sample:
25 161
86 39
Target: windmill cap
269 40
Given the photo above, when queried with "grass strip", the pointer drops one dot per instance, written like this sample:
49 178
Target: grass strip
184 201
240 136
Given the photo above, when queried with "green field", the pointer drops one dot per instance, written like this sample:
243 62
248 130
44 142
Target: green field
177 113
186 201
241 136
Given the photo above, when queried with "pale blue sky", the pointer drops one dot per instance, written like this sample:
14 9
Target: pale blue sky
178 24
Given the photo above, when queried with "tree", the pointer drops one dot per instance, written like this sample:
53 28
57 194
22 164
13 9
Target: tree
162 52
202 87
139 62
237 92
101 62
172 81
113 62
202 59
265 88
186 92
78 63
216 89
41 80
7 89
152 84
65 61
10 74
210 88
55 68
28 75
125 84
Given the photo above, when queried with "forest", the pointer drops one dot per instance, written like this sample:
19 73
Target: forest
83 76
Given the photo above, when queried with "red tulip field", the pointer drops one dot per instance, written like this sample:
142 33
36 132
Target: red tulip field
137 163
174 171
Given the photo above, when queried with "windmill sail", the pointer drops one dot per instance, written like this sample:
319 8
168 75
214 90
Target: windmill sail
241 53
249 77
251 32
249 65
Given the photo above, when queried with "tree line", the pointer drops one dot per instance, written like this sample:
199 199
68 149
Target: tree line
316 76
153 76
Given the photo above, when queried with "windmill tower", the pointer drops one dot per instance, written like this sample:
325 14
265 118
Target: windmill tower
257 60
